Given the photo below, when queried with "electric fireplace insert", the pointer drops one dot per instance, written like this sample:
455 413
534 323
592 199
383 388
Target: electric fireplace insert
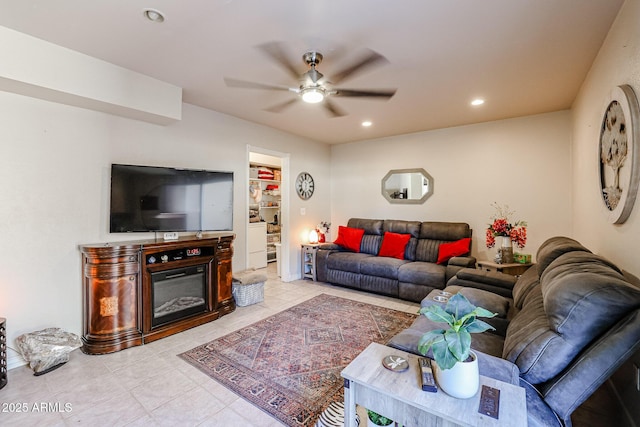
178 293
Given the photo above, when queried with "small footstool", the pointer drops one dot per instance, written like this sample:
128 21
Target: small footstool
248 287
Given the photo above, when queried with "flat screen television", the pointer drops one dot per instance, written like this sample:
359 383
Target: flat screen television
149 198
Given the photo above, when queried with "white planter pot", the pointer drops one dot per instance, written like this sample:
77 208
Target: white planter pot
461 381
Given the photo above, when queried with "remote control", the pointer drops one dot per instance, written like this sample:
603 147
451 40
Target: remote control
428 382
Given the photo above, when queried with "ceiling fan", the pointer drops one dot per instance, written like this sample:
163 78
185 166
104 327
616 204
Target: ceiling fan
312 86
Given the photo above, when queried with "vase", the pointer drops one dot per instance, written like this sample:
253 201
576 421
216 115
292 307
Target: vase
506 250
462 381
321 237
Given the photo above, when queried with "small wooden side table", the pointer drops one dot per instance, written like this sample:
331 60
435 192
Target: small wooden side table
514 268
308 264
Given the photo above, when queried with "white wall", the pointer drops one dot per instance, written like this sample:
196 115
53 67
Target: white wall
522 162
617 63
54 193
58 74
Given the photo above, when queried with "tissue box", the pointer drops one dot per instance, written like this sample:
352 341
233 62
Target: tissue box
522 258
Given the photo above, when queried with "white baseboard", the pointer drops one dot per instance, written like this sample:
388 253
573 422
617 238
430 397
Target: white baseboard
289 278
14 360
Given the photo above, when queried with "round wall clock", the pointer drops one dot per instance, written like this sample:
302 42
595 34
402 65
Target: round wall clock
618 154
304 185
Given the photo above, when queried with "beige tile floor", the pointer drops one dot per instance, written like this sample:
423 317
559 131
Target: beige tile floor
149 385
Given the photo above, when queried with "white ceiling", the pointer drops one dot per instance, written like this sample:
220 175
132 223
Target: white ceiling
522 56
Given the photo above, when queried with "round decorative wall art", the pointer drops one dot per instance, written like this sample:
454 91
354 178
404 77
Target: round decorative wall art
618 154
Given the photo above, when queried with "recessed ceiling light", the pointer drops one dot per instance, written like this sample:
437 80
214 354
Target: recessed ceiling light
153 15
477 101
366 123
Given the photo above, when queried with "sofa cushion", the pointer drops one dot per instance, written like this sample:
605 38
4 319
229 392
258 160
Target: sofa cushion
346 261
581 295
423 273
394 245
433 234
427 250
528 337
379 285
446 251
445 231
402 227
370 226
370 244
344 278
386 267
492 302
349 238
526 282
372 233
413 292
554 247
584 295
405 227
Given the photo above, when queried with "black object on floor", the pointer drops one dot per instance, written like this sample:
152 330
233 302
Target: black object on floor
53 368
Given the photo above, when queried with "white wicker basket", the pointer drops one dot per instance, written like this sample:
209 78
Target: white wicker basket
248 294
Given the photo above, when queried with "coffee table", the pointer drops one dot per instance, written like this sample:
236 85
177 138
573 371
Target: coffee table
399 396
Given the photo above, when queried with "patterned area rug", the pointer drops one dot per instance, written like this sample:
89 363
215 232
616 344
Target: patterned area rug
289 364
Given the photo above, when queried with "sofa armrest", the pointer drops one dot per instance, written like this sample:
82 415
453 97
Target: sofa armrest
324 250
329 246
462 261
456 264
492 281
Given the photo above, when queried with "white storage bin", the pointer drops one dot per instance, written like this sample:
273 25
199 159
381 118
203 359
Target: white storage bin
248 287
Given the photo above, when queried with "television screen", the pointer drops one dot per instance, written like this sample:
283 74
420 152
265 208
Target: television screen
148 198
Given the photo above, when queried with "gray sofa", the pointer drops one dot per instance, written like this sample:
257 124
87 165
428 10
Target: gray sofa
411 278
571 321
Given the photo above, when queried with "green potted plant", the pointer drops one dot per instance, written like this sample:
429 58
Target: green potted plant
378 419
456 365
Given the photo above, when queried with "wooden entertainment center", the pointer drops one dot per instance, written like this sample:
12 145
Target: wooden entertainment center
122 281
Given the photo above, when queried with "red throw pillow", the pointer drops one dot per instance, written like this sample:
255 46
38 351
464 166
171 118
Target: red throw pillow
393 245
349 238
447 251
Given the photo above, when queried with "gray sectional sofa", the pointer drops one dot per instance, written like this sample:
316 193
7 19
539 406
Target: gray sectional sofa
411 278
571 320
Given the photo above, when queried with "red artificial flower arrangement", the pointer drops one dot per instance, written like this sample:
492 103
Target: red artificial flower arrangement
501 226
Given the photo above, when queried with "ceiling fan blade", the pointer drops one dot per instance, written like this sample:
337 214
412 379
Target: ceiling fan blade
280 107
380 93
253 85
367 61
333 108
277 53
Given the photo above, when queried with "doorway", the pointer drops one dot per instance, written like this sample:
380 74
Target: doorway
267 224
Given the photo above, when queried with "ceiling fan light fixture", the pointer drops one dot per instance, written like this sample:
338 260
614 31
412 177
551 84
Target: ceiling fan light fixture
313 95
